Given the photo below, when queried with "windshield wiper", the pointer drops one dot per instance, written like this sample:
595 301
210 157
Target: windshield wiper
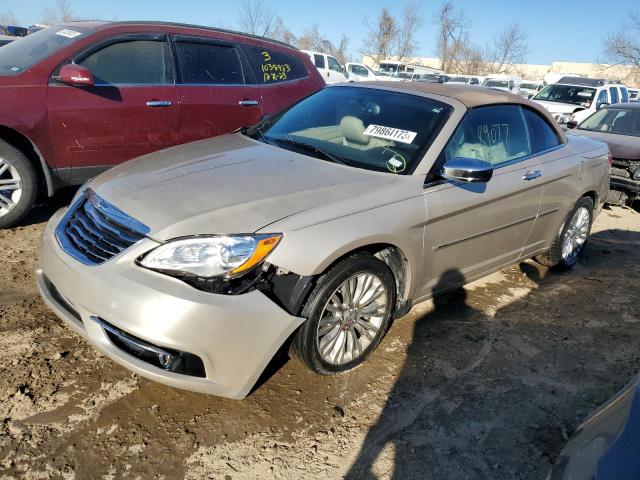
248 131
312 148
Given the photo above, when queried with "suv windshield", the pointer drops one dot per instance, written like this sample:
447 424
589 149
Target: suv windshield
389 68
497 83
575 95
459 80
614 120
366 128
32 49
529 86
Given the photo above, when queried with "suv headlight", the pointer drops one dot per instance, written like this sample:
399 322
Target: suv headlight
211 256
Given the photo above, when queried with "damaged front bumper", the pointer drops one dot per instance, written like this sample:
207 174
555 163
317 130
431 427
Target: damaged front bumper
160 327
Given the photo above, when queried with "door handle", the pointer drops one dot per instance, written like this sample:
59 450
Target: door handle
158 103
532 174
248 103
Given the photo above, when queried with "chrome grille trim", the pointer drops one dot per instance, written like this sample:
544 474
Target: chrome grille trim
93 231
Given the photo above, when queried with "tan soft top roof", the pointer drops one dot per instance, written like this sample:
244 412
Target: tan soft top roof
470 96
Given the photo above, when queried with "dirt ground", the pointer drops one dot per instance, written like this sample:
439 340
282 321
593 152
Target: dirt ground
488 382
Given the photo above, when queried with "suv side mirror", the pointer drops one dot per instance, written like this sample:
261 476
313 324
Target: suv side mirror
601 105
470 170
76 75
572 124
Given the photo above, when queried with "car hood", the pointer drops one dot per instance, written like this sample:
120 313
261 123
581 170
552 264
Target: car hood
624 147
229 184
557 107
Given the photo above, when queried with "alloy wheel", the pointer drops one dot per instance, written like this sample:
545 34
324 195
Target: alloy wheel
351 319
10 187
575 235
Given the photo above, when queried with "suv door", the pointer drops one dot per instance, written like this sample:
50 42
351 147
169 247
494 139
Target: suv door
481 227
214 96
130 111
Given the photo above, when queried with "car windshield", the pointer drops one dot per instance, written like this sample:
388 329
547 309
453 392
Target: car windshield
32 49
614 120
497 83
459 80
529 86
362 127
575 95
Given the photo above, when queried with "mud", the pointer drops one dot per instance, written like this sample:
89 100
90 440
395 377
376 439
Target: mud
486 382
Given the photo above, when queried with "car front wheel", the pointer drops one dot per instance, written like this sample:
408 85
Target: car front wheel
348 314
18 182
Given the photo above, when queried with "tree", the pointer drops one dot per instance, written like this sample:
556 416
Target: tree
510 47
61 14
381 36
623 47
281 33
453 37
255 18
406 35
341 50
312 39
8 18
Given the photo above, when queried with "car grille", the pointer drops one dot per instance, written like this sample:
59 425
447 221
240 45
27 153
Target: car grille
94 231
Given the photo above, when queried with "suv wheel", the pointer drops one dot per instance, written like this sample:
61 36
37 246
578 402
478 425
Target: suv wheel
348 314
18 181
571 239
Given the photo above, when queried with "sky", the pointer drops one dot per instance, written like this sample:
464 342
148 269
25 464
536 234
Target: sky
559 30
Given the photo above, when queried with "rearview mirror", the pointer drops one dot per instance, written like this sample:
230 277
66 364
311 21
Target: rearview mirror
76 75
471 170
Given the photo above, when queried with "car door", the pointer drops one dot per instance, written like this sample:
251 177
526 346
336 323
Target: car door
477 228
129 111
214 94
334 71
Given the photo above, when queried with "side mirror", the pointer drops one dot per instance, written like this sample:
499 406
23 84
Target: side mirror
75 75
469 170
601 105
572 124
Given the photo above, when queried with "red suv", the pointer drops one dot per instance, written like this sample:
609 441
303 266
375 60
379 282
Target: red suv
79 98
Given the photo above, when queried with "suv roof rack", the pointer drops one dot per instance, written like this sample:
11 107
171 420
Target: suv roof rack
587 82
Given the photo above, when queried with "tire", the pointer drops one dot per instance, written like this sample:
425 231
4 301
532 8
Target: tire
17 172
326 309
555 257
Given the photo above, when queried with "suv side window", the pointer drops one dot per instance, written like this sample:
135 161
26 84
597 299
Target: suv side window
495 134
318 60
614 94
333 64
602 97
203 62
135 62
542 136
271 66
625 94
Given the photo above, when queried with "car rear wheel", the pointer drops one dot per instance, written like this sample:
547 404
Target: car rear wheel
348 314
18 182
571 239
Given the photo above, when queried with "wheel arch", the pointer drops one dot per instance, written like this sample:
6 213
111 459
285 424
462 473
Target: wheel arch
31 151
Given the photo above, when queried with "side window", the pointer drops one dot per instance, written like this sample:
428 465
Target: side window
602 98
318 60
624 94
474 81
271 66
614 94
333 64
541 134
202 62
358 70
135 62
495 134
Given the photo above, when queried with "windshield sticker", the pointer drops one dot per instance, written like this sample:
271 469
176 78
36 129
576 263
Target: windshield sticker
388 133
68 33
584 94
15 69
397 163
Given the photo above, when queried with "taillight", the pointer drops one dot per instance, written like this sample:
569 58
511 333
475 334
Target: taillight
610 158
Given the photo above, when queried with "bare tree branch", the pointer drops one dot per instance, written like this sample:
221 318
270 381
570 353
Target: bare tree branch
7 18
280 32
623 47
381 36
60 14
453 37
510 47
255 18
406 35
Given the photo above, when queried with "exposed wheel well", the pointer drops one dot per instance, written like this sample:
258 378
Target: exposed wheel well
22 143
399 266
593 195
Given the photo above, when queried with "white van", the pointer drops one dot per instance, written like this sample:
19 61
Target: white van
329 68
505 82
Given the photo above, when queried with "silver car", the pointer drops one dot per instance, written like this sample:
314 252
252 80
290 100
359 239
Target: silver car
314 229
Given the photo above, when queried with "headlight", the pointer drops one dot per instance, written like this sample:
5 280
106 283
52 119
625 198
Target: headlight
211 256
